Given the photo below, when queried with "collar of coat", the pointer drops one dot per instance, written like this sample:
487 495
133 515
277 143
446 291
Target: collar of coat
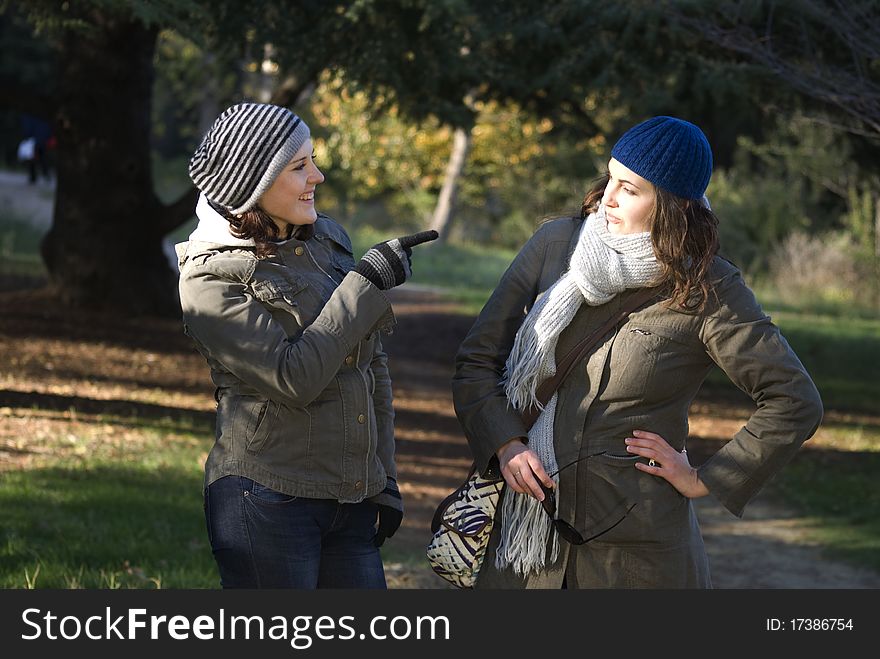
214 228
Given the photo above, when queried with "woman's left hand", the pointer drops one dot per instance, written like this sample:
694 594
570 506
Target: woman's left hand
667 463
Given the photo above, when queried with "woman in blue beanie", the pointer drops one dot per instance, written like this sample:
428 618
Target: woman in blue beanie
600 487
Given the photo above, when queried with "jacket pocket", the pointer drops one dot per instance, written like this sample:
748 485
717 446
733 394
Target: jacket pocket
288 297
652 511
253 422
263 494
636 355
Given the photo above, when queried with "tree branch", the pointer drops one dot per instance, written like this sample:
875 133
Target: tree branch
844 86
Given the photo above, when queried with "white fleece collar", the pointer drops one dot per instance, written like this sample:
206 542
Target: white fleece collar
213 227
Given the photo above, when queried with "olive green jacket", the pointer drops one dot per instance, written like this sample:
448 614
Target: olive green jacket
304 402
643 375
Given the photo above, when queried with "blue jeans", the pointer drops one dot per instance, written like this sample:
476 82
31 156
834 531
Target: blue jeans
265 539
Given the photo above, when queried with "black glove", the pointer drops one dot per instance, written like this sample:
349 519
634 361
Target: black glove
390 512
388 264
389 521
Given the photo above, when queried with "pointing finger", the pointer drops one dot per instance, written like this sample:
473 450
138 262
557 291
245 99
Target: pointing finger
418 238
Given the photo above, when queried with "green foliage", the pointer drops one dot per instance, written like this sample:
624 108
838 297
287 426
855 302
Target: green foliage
372 155
864 209
385 171
755 212
802 179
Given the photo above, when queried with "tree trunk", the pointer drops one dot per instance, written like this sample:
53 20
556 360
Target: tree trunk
104 249
441 221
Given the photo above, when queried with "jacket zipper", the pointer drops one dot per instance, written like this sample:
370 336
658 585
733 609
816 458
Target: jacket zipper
317 265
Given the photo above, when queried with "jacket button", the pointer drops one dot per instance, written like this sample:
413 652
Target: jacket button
361 418
299 251
358 485
349 360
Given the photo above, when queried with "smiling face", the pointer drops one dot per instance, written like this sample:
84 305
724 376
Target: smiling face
291 197
629 200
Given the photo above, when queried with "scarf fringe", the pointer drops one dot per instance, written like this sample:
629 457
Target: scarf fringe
522 374
523 546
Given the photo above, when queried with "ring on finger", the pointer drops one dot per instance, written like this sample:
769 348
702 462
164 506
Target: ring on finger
652 462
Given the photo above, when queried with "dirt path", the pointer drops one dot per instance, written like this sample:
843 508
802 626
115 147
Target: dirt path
769 548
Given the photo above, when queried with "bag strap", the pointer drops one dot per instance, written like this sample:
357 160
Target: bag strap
565 365
438 513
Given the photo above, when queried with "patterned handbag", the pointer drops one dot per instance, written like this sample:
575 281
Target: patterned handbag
461 528
463 521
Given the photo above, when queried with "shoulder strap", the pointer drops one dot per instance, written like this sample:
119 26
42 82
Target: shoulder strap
565 365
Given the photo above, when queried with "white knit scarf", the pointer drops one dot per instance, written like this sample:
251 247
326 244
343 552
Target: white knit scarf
603 264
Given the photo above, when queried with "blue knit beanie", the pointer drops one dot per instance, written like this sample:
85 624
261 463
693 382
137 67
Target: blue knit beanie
671 153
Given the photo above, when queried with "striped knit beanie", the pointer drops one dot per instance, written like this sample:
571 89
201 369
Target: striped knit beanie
244 152
671 153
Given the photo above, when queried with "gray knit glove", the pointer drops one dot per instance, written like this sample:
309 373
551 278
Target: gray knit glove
388 264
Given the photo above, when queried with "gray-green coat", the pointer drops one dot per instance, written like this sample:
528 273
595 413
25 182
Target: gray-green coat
642 376
304 400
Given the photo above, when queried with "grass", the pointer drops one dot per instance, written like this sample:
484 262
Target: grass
111 504
104 526
837 492
20 249
842 356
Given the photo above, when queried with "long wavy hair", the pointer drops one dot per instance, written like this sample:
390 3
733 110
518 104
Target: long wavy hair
255 225
684 234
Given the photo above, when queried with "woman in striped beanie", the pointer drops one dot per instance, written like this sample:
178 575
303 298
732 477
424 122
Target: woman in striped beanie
600 488
302 467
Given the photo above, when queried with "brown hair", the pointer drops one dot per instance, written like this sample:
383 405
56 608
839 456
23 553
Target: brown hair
255 224
684 234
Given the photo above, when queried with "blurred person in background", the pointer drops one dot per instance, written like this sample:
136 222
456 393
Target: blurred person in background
39 133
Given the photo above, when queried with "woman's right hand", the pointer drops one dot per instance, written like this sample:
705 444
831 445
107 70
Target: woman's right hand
522 469
387 264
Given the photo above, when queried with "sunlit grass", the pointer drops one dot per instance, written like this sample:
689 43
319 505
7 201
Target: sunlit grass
124 514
